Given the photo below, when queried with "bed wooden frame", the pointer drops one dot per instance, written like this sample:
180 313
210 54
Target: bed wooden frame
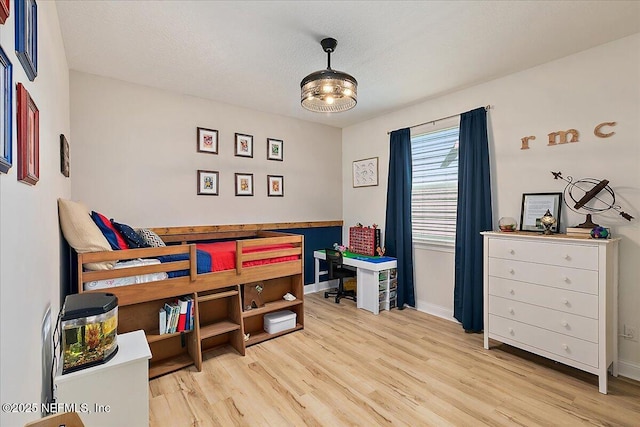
218 318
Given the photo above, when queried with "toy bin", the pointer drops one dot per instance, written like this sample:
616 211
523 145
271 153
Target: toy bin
279 321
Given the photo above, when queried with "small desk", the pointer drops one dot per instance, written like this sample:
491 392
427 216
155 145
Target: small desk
115 393
376 280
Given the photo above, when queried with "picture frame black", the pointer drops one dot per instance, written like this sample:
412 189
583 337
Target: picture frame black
207 140
208 183
274 149
275 186
535 205
6 112
244 184
244 145
64 156
27 36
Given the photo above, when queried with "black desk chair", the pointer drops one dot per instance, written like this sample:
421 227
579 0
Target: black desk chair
338 271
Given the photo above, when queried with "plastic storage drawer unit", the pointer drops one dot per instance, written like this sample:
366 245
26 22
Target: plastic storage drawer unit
279 321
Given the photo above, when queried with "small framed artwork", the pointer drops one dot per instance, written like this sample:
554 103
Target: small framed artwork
275 185
244 145
207 141
535 205
6 106
28 121
365 172
64 156
5 10
27 36
207 183
244 184
274 149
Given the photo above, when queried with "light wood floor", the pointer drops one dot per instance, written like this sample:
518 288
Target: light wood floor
401 368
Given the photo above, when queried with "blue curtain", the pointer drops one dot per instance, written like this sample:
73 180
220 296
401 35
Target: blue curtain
397 230
474 216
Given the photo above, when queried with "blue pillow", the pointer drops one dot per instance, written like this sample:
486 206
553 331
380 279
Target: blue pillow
132 238
116 241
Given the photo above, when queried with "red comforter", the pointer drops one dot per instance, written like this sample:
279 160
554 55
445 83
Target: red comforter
223 254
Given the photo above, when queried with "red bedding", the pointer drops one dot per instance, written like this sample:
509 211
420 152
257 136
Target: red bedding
223 254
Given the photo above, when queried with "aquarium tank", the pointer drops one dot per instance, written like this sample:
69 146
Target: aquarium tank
89 325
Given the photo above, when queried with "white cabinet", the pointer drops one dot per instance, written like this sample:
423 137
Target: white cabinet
113 394
555 296
387 289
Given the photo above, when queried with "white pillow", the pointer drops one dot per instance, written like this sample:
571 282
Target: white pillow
82 233
150 238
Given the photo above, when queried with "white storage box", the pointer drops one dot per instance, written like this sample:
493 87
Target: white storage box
279 321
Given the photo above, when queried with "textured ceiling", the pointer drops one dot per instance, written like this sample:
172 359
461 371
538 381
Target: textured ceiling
255 53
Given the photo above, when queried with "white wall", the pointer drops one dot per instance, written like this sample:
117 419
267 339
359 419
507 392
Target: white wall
29 236
134 158
579 91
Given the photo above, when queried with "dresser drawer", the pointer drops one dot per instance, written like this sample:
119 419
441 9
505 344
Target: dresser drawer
562 345
561 254
553 320
559 277
558 299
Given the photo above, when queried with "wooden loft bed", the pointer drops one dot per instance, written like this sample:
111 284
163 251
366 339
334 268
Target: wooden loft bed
219 318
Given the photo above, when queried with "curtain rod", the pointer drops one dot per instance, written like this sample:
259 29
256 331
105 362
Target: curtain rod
487 107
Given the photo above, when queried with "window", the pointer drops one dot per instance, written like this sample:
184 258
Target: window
434 194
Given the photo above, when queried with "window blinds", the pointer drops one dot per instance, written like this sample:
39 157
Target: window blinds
434 194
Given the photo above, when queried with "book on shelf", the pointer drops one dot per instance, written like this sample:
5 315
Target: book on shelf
162 321
182 316
578 230
187 326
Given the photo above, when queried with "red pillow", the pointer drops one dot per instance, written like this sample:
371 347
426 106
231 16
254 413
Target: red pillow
112 235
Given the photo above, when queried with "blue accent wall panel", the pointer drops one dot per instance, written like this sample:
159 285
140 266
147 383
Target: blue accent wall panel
314 239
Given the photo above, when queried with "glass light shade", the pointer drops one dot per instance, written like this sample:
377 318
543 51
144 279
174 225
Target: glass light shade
328 91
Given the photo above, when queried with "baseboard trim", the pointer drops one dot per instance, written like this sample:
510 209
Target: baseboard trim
317 287
629 370
436 310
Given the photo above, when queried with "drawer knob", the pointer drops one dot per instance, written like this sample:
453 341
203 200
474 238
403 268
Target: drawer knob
565 347
567 257
565 301
511 331
566 279
512 271
512 252
512 311
564 323
512 292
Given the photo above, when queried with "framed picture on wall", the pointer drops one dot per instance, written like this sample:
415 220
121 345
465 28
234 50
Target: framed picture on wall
275 185
244 145
28 121
5 10
244 184
365 172
207 141
208 183
6 106
274 149
27 36
64 156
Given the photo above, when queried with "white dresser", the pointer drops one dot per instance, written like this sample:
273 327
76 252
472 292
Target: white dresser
555 296
113 394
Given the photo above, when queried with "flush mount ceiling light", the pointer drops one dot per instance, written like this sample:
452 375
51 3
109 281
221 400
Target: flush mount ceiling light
328 91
